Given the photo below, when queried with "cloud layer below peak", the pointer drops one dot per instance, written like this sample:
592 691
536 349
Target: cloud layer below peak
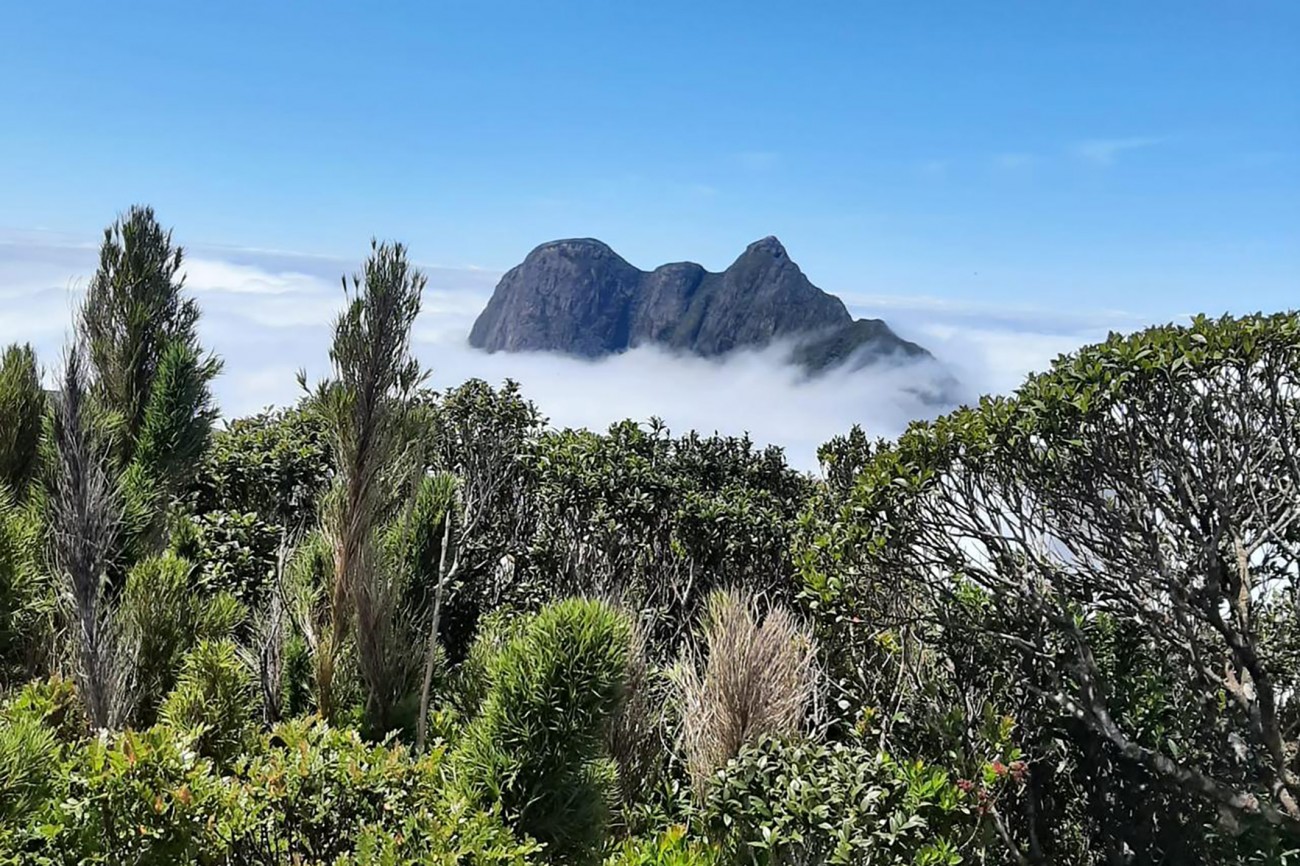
267 314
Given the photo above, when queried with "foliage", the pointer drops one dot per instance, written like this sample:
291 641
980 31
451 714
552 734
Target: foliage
178 418
365 409
663 521
536 746
165 613
28 749
237 552
671 848
22 408
306 794
793 802
276 464
484 437
1138 488
53 702
213 699
1059 626
133 312
26 594
85 510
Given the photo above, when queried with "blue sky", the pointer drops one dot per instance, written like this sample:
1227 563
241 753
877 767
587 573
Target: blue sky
1135 156
1000 181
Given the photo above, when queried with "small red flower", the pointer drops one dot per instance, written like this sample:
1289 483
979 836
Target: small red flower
999 768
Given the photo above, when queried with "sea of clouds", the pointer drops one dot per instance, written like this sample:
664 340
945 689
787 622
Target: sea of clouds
268 315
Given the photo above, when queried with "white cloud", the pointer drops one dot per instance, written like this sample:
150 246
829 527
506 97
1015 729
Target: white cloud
1106 151
267 314
209 275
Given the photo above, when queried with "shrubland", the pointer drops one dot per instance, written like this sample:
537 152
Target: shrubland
395 625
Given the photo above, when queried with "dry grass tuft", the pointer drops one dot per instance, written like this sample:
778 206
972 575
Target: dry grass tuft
755 679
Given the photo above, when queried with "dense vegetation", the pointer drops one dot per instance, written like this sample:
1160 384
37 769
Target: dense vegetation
390 625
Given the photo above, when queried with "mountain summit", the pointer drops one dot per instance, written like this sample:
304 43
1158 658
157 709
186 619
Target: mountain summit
580 297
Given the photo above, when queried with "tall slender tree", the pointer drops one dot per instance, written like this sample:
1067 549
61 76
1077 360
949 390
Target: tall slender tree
22 405
134 310
152 376
365 406
84 512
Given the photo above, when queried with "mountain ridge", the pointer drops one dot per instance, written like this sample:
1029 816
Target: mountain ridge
579 297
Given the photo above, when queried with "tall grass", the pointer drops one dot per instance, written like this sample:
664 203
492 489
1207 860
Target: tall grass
746 680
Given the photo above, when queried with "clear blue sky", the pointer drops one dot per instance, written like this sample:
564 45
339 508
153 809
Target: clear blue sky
1142 156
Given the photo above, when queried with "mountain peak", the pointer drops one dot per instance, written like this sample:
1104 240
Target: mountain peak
579 297
769 245
572 246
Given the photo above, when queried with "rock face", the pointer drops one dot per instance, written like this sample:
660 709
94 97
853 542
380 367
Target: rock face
580 297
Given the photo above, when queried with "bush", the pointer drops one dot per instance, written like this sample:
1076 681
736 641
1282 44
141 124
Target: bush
325 792
305 794
473 676
276 464
673 848
783 802
140 797
53 703
28 751
236 552
26 596
165 614
536 745
213 698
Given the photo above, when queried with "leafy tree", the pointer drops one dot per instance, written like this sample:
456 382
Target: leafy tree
276 464
663 521
481 438
22 407
1142 487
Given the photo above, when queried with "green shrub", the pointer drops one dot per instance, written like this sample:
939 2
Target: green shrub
295 677
327 796
469 687
276 464
52 702
783 802
536 746
672 848
29 751
140 797
236 552
26 594
165 613
305 794
214 699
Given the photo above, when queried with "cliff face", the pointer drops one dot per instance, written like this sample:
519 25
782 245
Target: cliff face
581 298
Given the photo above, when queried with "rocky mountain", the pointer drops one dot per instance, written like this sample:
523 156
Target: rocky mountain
580 297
